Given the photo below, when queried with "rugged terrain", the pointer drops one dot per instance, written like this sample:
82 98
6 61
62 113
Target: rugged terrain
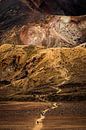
40 53
36 73
24 22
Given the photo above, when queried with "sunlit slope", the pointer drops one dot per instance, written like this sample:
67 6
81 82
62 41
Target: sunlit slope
30 72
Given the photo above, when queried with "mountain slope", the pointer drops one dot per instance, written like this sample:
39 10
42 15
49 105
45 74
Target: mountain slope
30 73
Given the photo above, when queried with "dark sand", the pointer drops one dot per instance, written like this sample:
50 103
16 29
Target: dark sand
23 115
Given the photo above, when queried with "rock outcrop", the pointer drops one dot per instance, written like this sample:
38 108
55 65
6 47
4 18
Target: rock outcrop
34 73
58 31
24 22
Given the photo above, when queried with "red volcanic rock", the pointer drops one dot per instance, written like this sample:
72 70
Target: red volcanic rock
32 35
26 21
59 31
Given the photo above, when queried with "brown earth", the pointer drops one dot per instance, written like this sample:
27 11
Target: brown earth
23 116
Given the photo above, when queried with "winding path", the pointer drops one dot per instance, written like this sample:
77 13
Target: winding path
39 121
